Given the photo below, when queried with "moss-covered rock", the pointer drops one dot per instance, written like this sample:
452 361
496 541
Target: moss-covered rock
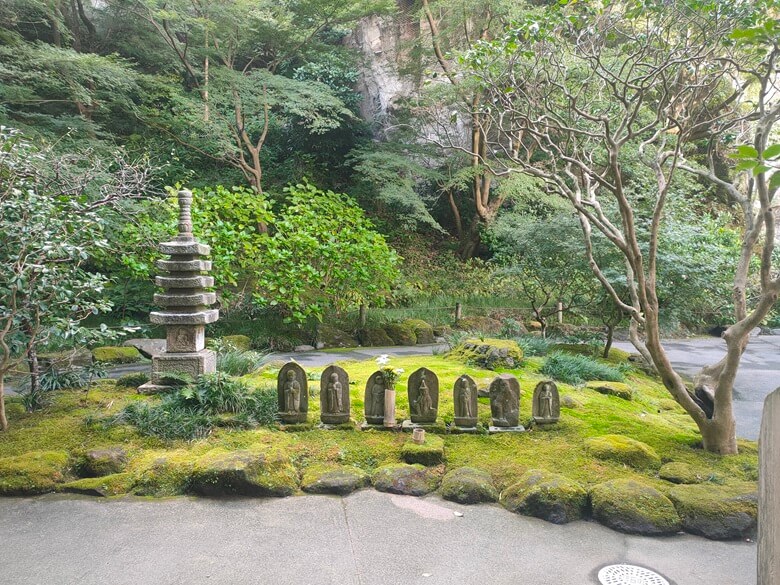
618 355
633 507
618 389
431 452
334 337
106 486
482 324
401 333
37 472
132 380
422 330
99 462
669 404
163 473
334 479
488 353
408 480
441 330
114 354
548 496
240 342
245 472
570 402
467 485
719 512
622 449
375 337
679 472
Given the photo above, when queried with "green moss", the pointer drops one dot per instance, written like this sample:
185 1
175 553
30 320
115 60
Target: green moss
548 496
99 462
240 342
132 380
375 337
487 353
634 507
163 473
623 450
116 355
619 389
467 485
679 472
333 337
408 480
479 323
249 472
401 333
431 452
106 486
719 512
423 332
36 472
333 479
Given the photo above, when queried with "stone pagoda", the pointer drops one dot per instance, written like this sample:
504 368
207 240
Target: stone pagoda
185 303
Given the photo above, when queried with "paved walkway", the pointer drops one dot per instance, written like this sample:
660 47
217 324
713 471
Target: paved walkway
368 538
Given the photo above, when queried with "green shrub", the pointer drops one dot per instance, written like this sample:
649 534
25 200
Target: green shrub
236 362
534 345
263 406
213 394
577 369
132 380
166 421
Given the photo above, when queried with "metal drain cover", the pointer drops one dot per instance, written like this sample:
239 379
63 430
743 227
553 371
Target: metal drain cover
629 575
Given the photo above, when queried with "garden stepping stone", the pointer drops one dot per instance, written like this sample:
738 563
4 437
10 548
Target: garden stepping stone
467 485
548 496
405 479
99 462
334 479
718 512
633 507
431 452
679 472
244 472
622 449
37 472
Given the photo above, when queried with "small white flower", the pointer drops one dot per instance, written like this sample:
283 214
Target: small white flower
383 359
399 371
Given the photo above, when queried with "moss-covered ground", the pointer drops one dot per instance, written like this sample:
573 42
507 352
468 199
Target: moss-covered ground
650 417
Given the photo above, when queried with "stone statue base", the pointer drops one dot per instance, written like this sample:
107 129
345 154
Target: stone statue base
458 430
545 421
495 430
334 419
345 426
367 426
192 364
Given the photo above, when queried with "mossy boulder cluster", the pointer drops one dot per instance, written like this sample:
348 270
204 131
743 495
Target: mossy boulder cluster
679 472
114 354
548 496
100 462
116 484
717 512
334 479
405 479
624 450
431 452
489 353
33 473
634 507
618 389
480 323
467 485
244 472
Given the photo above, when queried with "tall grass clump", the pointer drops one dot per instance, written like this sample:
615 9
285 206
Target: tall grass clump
534 345
235 362
577 369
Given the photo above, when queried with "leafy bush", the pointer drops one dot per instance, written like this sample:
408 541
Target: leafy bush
213 394
533 345
165 421
262 408
576 369
236 362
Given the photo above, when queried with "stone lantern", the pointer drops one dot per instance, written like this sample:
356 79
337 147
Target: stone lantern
185 305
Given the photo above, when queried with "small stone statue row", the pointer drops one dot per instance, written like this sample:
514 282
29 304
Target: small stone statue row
423 394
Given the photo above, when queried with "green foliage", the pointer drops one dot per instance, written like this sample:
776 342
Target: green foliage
576 369
534 345
133 380
324 254
240 363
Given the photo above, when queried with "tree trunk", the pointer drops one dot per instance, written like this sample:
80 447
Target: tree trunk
610 336
470 242
35 370
719 435
3 418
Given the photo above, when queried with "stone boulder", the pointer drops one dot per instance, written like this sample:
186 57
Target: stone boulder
546 495
334 337
624 450
718 512
482 324
422 330
114 354
147 347
104 487
375 337
99 462
162 473
488 353
467 485
334 479
401 333
679 472
405 479
431 452
570 402
244 472
37 472
633 507
618 389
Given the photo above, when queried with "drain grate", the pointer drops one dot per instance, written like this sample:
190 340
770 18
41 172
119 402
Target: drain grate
629 575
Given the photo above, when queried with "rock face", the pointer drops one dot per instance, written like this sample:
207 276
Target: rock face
467 485
334 479
715 511
334 396
404 479
293 394
423 393
548 496
99 462
246 473
623 450
185 303
633 507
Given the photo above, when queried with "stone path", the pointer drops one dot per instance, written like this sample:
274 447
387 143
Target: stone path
367 538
